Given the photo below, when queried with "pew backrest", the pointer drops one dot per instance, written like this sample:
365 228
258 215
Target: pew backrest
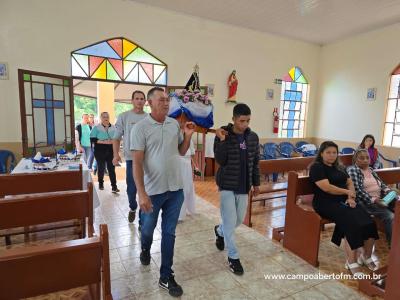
301 185
41 182
294 164
35 209
37 270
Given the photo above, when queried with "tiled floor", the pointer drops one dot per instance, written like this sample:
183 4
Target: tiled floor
199 267
265 218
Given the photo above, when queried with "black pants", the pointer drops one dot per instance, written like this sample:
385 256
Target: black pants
104 156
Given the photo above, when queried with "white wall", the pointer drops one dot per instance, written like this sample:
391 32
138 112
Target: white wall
40 34
348 69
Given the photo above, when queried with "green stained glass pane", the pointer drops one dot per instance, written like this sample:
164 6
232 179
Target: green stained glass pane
66 82
301 79
111 73
27 77
142 56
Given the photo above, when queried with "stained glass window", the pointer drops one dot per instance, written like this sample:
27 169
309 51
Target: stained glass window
391 136
118 59
46 112
293 107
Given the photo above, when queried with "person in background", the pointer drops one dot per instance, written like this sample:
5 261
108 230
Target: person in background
91 120
92 161
189 197
236 149
123 128
368 143
101 136
370 190
335 199
82 143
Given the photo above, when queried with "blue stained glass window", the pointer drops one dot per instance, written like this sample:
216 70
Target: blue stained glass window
50 126
297 73
48 89
58 104
49 104
292 104
38 103
102 50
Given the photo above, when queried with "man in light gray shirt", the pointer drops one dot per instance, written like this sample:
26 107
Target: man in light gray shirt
123 127
157 144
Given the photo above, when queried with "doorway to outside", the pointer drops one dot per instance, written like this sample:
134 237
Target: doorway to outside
86 98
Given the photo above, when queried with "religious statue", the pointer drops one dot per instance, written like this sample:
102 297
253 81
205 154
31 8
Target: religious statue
232 86
194 82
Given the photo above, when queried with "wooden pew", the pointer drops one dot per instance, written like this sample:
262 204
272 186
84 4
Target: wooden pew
391 272
42 208
281 166
41 182
301 234
29 183
37 270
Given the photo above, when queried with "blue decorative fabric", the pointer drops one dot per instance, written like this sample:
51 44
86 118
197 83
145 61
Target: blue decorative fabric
41 160
200 114
62 151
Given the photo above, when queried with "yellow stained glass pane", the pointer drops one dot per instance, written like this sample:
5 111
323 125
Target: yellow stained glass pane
101 71
291 73
127 47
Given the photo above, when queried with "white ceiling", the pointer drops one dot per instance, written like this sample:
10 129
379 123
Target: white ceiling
122 91
316 21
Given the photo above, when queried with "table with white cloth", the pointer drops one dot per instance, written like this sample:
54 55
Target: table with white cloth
26 166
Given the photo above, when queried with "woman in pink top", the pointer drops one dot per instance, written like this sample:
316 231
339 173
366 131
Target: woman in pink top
370 189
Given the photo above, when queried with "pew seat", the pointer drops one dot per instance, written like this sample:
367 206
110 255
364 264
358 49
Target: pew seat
301 233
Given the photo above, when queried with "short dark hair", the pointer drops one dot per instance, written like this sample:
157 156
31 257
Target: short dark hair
138 92
153 90
241 109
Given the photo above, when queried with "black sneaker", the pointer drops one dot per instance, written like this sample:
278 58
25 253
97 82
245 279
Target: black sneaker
145 257
219 242
115 190
174 289
101 186
132 216
235 266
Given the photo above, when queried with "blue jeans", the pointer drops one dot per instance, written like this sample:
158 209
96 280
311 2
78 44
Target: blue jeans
170 203
130 186
233 209
88 153
131 189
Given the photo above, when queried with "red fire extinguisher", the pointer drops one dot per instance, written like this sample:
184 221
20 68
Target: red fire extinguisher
276 120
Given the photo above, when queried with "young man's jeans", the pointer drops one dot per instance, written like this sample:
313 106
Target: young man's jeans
89 155
170 203
131 188
233 209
